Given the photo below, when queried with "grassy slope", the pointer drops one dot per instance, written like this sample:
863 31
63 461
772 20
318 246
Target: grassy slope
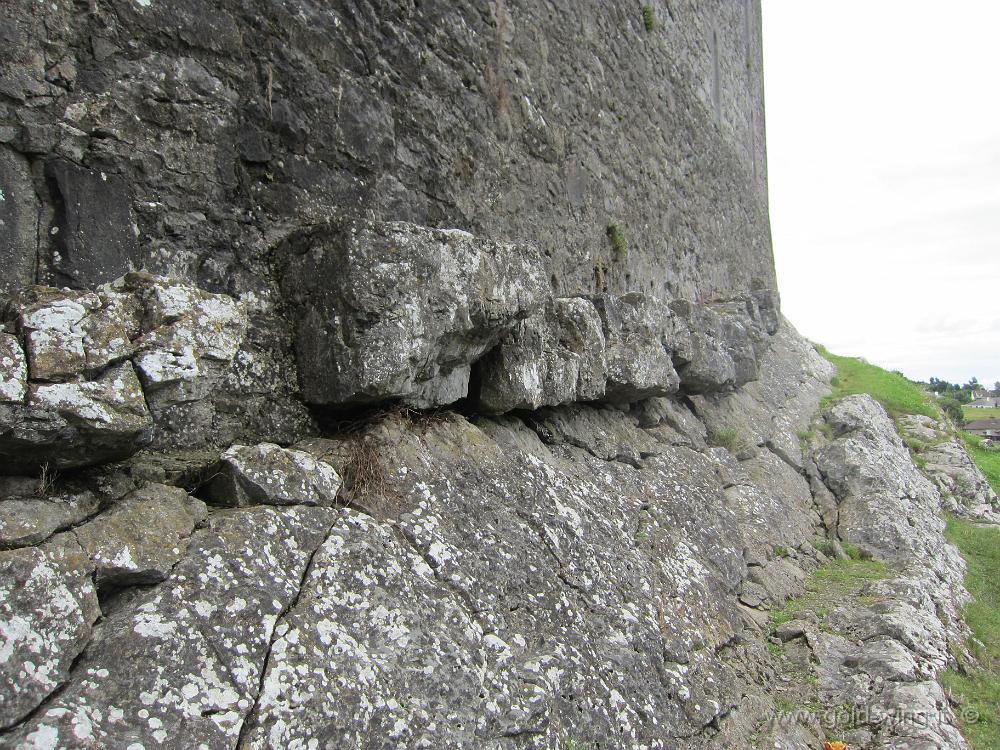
988 461
897 394
978 688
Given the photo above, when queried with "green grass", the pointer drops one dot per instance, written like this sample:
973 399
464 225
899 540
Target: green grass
619 242
897 394
987 460
831 585
978 687
971 415
649 17
731 440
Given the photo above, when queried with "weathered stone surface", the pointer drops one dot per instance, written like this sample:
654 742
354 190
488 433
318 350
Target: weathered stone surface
774 505
18 223
94 228
189 338
71 334
486 649
637 332
600 431
386 310
75 424
180 665
884 500
888 651
84 402
557 356
45 622
608 348
671 422
13 370
142 537
272 475
404 635
32 520
776 408
945 461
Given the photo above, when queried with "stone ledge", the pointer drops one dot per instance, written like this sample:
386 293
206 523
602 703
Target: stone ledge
395 311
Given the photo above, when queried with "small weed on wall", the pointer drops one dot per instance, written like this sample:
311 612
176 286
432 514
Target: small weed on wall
619 243
649 17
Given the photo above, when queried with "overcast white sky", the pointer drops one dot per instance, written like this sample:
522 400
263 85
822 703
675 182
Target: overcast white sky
883 137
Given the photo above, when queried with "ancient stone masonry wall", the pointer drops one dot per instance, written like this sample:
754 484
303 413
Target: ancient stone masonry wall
187 142
411 375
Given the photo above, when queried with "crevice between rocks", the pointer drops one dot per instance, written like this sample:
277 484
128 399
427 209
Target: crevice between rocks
250 715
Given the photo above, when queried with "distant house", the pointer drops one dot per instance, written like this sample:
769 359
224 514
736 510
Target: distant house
988 428
985 402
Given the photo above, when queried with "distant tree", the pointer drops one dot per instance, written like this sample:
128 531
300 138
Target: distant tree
953 408
996 388
936 385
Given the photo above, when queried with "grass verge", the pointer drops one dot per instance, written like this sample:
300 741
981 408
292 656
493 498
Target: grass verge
988 461
978 687
830 586
897 394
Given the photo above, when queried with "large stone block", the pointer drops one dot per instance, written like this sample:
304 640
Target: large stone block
74 424
609 348
556 356
71 334
396 311
268 474
716 351
18 223
104 367
142 538
94 235
638 333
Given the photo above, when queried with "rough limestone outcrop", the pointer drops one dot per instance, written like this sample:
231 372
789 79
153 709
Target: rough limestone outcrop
491 572
948 464
90 377
412 375
882 659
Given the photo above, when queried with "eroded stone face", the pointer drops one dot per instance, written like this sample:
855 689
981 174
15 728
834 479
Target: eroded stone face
109 371
556 356
181 665
71 334
43 627
13 370
393 310
76 423
143 537
270 474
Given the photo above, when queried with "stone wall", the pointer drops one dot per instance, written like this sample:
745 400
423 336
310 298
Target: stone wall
411 374
153 135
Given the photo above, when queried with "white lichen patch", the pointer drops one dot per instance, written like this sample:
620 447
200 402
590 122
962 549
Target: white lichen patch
13 370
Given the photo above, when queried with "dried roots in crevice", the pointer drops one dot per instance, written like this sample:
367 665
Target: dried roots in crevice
365 478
